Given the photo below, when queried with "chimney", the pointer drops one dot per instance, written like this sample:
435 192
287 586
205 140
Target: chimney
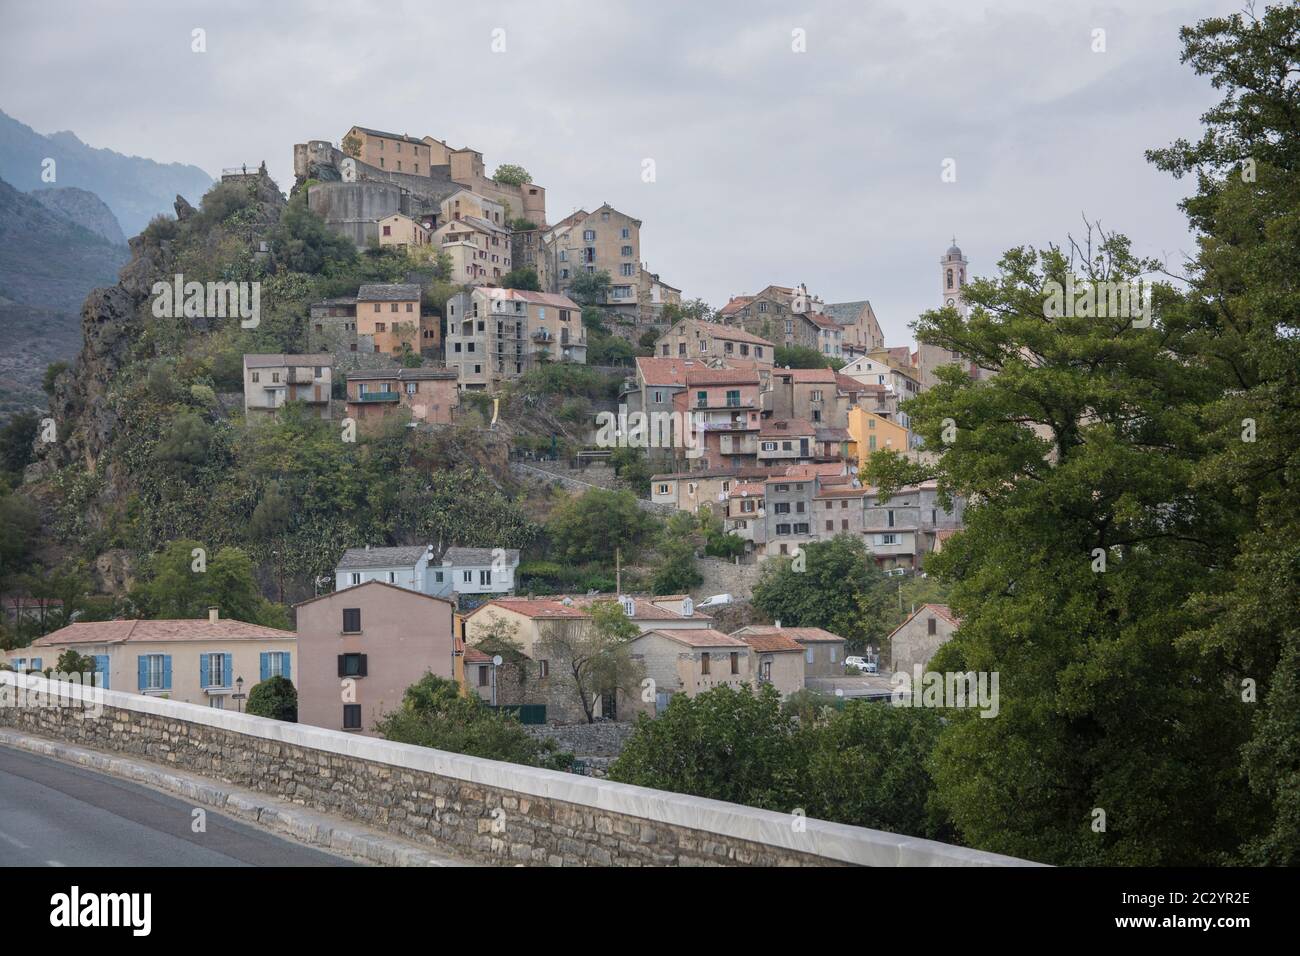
212 614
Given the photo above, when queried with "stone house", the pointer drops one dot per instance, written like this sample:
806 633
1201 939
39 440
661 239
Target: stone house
778 659
479 250
783 442
361 648
429 394
402 232
862 331
196 661
271 380
916 640
605 240
823 652
789 504
712 343
725 404
499 334
779 314
396 152
689 662
389 319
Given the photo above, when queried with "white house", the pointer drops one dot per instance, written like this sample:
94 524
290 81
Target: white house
406 567
476 571
460 571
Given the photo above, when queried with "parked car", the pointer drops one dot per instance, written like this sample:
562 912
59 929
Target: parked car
861 663
718 600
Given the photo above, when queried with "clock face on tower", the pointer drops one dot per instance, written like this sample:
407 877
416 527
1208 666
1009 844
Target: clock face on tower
952 302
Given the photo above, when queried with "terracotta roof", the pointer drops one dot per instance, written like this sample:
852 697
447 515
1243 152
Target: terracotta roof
734 333
822 321
471 654
282 360
736 304
806 635
823 470
645 610
747 488
666 371
134 632
771 643
701 637
721 376
847 384
533 607
839 491
388 292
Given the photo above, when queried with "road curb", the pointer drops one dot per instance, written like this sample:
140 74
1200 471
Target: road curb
358 843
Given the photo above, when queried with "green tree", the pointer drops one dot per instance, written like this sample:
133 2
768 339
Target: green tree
725 744
676 572
302 243
434 713
17 443
186 446
524 277
70 662
52 373
275 697
590 289
1240 319
180 584
800 356
838 589
511 175
590 526
632 467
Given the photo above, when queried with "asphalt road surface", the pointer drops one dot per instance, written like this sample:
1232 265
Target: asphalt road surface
54 814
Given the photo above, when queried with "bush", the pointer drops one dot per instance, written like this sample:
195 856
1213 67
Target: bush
275 697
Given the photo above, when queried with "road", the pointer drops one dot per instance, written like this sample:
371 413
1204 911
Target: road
55 814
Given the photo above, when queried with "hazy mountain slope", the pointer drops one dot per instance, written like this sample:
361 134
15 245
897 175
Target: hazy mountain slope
48 265
84 208
134 188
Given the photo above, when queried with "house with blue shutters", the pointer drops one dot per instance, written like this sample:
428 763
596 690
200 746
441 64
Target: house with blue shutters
205 661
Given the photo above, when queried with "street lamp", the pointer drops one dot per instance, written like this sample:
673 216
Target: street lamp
496 662
238 695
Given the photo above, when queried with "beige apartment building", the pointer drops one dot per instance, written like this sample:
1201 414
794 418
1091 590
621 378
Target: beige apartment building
498 334
388 317
361 648
480 251
862 331
195 661
402 232
713 343
271 380
689 662
602 241
394 152
466 204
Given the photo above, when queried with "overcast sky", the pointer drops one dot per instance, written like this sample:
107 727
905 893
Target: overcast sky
771 166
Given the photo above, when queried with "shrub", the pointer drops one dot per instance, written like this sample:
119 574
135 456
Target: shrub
275 697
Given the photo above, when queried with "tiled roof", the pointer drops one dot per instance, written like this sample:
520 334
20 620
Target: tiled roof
747 489
401 592
701 637
471 653
821 320
734 333
132 632
832 434
666 371
736 304
847 384
805 635
843 491
388 292
283 360
404 375
533 607
645 610
402 557
402 136
720 473
771 643
473 557
721 376
826 469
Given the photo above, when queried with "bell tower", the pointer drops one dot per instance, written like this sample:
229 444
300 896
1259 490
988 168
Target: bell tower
952 278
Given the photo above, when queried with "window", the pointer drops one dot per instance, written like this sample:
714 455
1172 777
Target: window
392 577
352 620
663 490
801 527
214 670
351 716
834 653
781 508
808 655
765 671
257 376
275 664
626 250
485 579
354 578
626 234
153 672
543 669
889 518
770 446
735 662
589 235
704 663
931 626
830 525
352 665
467 577
844 524
783 529
733 398
437 576
483 677
758 351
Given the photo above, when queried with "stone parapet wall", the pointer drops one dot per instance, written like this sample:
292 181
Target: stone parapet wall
484 809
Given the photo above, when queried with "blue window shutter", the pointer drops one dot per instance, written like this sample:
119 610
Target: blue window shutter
227 672
142 665
167 672
285 670
101 668
36 663
264 663
203 670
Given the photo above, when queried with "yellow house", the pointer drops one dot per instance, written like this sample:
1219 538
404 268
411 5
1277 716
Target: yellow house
872 432
399 230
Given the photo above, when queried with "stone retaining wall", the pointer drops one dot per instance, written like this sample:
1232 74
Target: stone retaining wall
484 809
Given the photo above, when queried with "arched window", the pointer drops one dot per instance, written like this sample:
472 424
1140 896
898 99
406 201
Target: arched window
949 278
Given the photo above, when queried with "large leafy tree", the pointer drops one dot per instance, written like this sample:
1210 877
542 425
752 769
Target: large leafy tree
594 657
181 584
1242 322
832 584
591 526
1083 543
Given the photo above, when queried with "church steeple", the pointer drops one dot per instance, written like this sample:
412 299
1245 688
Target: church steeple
952 277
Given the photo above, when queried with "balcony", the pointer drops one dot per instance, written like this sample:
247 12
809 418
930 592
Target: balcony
377 397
